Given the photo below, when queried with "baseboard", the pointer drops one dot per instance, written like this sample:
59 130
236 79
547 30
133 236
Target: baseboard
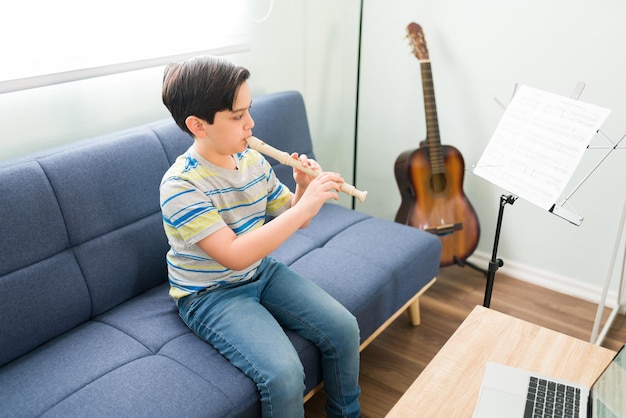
548 280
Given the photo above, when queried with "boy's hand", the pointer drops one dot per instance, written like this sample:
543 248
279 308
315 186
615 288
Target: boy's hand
313 191
321 188
302 179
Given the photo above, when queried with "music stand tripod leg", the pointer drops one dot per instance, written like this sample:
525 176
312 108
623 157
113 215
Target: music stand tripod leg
495 263
620 238
463 263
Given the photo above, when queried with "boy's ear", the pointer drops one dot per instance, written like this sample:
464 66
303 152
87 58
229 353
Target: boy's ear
196 126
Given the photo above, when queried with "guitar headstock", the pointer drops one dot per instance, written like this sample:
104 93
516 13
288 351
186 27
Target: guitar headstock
418 41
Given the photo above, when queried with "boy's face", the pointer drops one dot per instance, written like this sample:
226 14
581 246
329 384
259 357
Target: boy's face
230 129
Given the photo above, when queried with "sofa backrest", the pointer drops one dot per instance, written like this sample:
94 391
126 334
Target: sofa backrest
42 289
81 229
81 233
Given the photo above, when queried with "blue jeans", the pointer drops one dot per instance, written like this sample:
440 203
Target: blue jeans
244 322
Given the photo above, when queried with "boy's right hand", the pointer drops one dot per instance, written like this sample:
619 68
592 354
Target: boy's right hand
323 187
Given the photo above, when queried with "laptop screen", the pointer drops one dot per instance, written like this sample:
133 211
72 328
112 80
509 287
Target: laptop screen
608 394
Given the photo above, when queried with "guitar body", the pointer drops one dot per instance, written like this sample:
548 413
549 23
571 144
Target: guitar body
435 202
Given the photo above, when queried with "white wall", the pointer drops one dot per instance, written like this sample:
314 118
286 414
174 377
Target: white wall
311 46
479 50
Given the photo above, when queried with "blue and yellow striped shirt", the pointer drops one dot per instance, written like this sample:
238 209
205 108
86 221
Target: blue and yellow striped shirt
198 198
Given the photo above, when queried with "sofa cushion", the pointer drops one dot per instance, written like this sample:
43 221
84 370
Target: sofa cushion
29 211
40 379
115 264
107 184
107 190
42 290
152 386
330 221
407 272
129 361
152 319
40 302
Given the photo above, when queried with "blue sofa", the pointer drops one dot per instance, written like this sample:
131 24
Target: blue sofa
87 328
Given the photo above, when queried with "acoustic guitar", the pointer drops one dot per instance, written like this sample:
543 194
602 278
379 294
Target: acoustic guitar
430 178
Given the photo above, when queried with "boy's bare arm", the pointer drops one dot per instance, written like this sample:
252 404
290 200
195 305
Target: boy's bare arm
238 252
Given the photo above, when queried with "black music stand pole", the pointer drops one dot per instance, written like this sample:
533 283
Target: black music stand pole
496 263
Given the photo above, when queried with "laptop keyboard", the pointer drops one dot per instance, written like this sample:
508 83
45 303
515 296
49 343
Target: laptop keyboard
550 399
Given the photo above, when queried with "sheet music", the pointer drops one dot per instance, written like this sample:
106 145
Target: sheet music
538 144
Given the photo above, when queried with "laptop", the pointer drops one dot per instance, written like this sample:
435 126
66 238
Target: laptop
512 392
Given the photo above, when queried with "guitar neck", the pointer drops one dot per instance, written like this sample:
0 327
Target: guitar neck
432 125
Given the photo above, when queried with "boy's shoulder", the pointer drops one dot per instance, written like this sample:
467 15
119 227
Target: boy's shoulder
185 168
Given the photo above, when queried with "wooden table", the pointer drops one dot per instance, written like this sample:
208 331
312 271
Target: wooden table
449 385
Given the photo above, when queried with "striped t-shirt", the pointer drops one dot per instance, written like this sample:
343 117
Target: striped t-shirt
198 198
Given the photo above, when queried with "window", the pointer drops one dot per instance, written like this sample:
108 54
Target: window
49 42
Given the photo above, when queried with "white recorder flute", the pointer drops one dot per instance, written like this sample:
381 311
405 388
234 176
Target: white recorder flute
285 159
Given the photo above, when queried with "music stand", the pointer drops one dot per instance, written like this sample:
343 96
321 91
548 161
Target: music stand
517 159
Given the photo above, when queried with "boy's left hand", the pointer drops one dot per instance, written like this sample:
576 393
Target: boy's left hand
303 179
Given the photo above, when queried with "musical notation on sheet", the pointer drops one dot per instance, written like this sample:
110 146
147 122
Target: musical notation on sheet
538 144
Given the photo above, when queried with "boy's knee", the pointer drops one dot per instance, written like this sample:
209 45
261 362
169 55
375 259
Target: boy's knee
287 378
282 389
350 327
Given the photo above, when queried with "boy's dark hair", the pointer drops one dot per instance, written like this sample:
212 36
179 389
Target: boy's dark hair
201 86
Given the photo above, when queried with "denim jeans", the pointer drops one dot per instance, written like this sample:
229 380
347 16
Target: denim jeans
244 322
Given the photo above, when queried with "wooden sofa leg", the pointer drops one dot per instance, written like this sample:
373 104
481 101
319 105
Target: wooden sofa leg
414 305
414 312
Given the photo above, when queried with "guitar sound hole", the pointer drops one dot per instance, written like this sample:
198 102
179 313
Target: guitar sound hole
438 182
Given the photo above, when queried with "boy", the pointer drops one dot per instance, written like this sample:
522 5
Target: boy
214 201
